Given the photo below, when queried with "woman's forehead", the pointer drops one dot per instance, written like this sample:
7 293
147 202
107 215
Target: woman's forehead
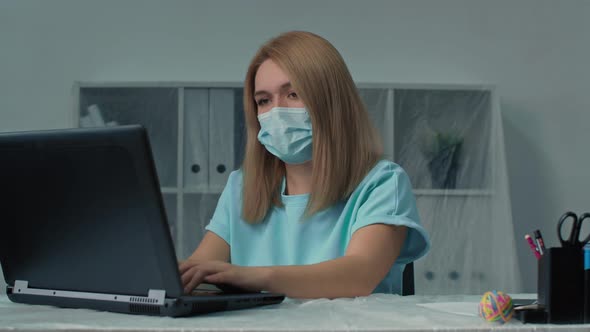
270 77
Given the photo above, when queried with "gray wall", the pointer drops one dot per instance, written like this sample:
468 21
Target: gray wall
535 51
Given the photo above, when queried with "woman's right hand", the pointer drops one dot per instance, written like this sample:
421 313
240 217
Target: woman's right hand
193 273
212 249
225 276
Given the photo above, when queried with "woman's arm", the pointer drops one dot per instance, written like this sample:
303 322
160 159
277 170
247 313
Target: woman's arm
370 254
211 248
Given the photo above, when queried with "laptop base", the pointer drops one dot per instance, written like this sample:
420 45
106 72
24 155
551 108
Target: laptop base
172 307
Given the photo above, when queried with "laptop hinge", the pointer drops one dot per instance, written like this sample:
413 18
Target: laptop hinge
155 297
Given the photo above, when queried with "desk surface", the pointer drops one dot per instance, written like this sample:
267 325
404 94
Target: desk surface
378 312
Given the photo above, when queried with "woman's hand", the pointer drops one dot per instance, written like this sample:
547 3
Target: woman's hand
195 272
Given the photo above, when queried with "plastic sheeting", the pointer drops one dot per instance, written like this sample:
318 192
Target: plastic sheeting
449 140
378 312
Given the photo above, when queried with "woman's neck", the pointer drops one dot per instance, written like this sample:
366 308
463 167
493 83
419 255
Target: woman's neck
298 178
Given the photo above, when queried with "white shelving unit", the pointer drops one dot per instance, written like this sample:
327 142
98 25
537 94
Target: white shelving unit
452 192
193 129
197 135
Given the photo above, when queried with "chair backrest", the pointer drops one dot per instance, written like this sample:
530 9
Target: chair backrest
408 280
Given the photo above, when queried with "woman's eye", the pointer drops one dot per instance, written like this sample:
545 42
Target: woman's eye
261 101
292 95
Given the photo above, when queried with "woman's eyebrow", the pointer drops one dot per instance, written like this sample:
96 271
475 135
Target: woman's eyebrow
284 86
260 92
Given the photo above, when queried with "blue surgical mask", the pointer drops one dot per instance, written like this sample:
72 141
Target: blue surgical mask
286 133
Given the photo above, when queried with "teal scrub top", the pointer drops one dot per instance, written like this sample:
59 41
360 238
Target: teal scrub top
284 238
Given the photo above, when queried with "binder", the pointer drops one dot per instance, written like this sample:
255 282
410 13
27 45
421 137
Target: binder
196 139
221 137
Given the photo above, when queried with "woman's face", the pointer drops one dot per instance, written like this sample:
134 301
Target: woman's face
272 88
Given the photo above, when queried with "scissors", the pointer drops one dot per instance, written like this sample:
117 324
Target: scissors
574 239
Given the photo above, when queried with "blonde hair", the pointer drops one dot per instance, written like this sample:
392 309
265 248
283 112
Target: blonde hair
345 144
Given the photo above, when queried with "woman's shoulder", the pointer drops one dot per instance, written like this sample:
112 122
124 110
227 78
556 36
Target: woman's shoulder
237 174
384 169
235 179
384 173
232 192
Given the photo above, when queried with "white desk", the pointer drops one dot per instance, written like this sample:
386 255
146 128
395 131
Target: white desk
378 312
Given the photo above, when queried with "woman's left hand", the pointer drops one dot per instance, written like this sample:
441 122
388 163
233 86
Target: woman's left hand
194 273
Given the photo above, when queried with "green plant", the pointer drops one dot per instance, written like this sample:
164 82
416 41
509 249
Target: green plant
443 151
441 142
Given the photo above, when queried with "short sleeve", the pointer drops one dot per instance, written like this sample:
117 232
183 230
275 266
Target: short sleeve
387 198
220 222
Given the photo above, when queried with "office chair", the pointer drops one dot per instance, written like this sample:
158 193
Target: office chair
408 280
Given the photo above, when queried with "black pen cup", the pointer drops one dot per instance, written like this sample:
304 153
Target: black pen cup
560 285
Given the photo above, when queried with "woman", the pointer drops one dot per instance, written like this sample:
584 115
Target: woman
313 212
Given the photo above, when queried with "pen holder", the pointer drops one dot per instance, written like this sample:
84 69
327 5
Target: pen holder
560 285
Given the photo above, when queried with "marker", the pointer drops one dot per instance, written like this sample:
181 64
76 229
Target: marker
529 239
540 242
587 284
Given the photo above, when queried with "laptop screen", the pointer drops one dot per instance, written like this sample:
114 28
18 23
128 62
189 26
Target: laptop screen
83 212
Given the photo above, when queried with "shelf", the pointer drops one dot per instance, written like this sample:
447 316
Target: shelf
201 191
453 192
193 190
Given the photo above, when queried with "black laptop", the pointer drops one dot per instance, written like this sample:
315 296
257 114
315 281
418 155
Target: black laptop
83 226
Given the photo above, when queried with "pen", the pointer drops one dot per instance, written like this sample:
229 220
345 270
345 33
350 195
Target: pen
529 239
540 242
587 283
